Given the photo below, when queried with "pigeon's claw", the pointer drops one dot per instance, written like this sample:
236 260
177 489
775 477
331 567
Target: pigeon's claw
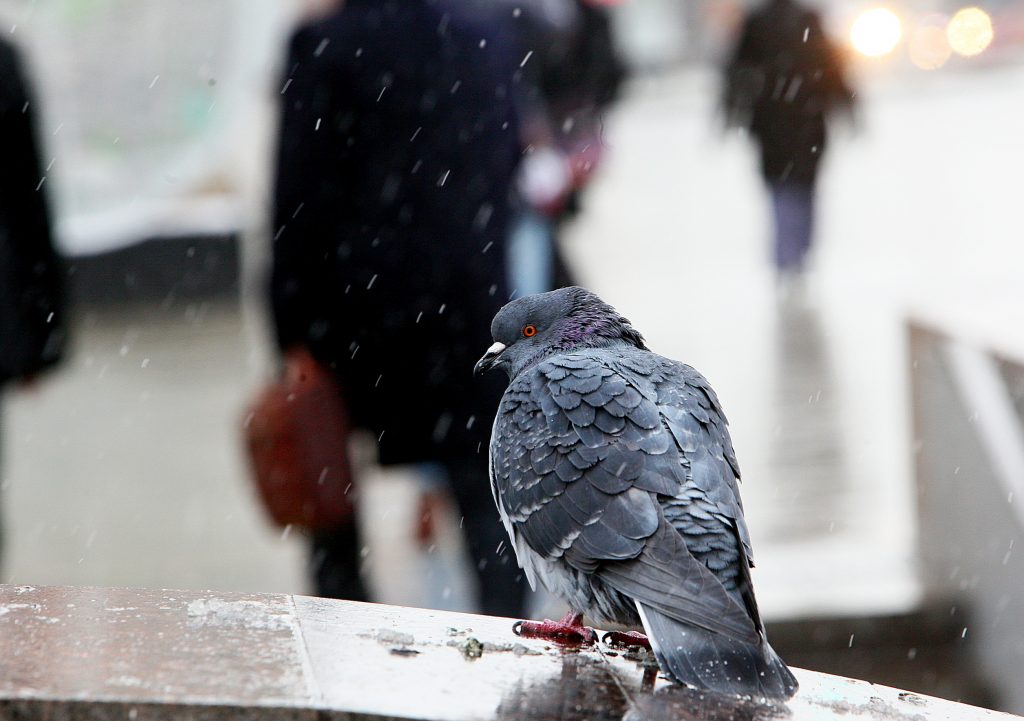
631 639
568 631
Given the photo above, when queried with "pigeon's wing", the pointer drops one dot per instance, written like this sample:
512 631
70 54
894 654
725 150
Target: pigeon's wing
708 511
694 417
581 455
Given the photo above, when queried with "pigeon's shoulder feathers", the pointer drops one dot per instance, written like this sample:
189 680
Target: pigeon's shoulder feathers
693 415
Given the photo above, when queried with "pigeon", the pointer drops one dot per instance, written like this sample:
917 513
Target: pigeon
616 479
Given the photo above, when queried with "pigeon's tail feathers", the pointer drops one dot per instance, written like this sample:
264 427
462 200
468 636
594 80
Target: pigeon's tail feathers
707 660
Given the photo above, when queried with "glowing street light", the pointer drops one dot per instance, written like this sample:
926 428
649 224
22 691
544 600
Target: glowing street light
876 32
927 44
970 31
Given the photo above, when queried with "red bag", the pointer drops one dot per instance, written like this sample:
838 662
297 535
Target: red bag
296 434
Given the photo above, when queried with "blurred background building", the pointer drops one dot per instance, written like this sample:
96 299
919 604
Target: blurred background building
881 508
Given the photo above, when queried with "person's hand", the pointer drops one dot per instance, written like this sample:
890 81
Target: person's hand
425 526
546 180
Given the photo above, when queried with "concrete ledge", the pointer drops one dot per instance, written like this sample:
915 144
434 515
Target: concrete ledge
147 655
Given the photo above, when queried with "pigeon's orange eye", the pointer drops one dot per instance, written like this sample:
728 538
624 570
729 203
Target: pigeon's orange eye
529 331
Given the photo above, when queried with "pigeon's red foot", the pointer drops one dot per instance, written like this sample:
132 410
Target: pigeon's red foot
632 639
569 630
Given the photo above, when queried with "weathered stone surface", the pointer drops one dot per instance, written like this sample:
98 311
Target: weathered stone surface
149 647
88 653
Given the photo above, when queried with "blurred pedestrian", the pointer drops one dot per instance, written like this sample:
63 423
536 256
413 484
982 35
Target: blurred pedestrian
783 79
32 323
570 73
398 144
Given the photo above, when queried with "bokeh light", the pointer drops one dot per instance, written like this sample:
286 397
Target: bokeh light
876 32
927 45
970 31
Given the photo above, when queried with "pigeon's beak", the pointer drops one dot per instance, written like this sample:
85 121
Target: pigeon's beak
489 359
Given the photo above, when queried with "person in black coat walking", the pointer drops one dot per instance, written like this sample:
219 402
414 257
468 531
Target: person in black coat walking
397 147
32 323
783 78
570 75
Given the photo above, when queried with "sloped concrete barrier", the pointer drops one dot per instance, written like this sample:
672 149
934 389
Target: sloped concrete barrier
967 390
71 654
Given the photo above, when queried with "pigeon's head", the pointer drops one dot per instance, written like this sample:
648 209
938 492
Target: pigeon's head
532 328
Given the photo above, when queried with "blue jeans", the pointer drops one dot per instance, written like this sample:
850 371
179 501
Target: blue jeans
793 208
530 253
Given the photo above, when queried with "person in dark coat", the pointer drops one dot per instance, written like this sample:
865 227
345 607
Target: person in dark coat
571 71
397 147
32 322
783 78
570 75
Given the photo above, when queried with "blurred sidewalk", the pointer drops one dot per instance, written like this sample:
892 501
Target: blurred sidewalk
124 469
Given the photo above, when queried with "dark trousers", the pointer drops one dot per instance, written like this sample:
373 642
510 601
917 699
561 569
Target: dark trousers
502 584
334 563
335 555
